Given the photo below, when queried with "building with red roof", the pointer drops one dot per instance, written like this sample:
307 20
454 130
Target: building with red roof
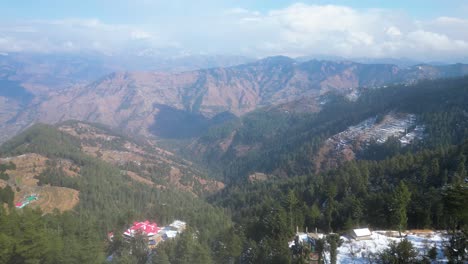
146 228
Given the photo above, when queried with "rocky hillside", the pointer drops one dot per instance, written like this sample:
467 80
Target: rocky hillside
133 100
61 71
138 102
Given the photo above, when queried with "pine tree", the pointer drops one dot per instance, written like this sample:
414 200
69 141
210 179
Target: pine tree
334 241
292 203
399 253
400 200
160 257
331 205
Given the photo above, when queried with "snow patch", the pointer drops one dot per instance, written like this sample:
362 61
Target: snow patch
352 251
402 126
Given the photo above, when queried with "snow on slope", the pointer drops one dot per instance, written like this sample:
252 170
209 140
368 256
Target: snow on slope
352 251
391 125
343 146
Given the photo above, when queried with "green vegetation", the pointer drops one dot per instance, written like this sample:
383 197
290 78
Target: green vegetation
285 143
388 187
7 196
360 193
4 168
402 252
110 200
27 236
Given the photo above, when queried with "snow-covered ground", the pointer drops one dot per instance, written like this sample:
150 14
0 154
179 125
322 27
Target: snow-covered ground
399 125
352 251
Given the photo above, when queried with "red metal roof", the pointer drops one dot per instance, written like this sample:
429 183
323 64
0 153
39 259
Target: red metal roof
145 227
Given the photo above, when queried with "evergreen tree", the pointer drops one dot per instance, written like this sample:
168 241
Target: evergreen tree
334 242
457 248
331 206
292 205
399 253
160 257
400 200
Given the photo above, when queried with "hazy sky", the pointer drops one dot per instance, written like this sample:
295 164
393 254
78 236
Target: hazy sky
418 29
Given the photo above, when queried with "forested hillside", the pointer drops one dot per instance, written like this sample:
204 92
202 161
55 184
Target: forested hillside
251 219
426 189
109 201
286 143
234 132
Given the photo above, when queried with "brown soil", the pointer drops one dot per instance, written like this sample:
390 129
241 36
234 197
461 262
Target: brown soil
421 231
138 178
50 197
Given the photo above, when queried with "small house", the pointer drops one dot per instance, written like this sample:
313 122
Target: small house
178 225
361 234
171 234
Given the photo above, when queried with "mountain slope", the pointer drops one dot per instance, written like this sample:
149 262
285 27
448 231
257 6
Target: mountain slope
60 71
141 161
360 193
135 100
283 143
109 200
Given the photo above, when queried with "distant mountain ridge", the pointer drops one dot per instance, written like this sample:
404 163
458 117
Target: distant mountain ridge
61 71
132 101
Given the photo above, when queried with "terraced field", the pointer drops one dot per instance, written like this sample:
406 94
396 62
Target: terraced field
23 182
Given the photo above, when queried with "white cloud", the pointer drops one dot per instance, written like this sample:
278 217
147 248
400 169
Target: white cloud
393 31
302 29
71 35
140 34
296 30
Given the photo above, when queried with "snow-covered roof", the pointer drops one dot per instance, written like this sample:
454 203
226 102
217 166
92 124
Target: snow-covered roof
362 232
178 224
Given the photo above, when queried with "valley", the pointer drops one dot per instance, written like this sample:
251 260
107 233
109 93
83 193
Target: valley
233 132
140 146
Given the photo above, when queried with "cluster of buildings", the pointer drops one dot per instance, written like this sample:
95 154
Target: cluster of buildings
153 232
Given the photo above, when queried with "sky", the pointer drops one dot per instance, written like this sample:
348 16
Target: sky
415 29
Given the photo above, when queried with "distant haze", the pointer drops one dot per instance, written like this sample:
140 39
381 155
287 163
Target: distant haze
419 30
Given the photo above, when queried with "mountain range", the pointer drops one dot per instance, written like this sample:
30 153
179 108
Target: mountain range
138 102
244 154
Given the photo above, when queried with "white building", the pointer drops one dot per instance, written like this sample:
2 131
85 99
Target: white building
361 234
